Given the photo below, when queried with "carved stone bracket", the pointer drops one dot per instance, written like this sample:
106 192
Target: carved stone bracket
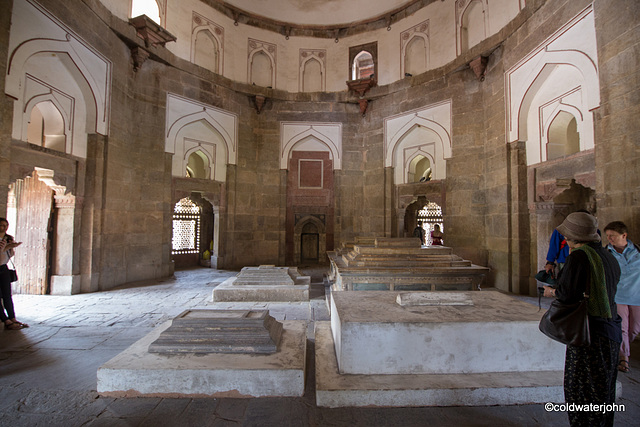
139 55
361 86
363 105
479 66
150 31
259 102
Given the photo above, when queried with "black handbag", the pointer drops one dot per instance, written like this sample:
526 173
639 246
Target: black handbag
567 323
12 273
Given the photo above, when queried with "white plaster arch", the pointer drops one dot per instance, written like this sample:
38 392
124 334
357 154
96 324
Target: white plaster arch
97 77
330 134
67 116
411 155
586 143
572 47
209 168
418 140
436 117
182 112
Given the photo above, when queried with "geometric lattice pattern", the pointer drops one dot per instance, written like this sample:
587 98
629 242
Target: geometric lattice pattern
428 217
186 227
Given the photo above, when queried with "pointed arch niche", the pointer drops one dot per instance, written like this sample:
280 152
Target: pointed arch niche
312 70
310 152
425 132
472 23
196 128
561 75
207 43
414 49
261 63
54 71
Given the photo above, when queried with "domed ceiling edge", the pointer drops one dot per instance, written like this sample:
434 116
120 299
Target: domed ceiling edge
338 30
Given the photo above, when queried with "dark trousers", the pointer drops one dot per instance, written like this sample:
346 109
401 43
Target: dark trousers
5 295
590 378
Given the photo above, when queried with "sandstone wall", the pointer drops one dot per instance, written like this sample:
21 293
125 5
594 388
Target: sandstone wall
128 190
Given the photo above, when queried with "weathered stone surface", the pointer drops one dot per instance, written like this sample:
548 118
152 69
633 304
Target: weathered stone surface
264 283
401 264
220 331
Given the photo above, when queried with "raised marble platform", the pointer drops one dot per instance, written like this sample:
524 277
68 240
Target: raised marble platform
435 348
500 388
497 333
137 372
400 264
264 283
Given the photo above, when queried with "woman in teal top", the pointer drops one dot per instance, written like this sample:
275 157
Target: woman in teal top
628 295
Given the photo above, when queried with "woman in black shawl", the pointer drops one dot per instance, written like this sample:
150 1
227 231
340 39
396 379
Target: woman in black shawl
590 372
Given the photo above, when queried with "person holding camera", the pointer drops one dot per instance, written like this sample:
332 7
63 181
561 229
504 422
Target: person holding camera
7 246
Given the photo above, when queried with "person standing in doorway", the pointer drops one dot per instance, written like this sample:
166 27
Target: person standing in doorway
7 246
628 296
436 236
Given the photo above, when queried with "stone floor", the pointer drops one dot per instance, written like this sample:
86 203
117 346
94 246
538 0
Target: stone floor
48 371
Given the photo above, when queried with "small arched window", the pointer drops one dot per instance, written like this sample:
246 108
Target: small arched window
363 65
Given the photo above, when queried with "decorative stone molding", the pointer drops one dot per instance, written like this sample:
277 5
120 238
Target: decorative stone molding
66 201
301 30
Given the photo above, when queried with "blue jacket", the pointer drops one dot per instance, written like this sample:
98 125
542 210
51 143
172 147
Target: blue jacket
558 248
629 285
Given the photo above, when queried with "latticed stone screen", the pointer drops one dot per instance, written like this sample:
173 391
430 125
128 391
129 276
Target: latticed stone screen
428 217
186 227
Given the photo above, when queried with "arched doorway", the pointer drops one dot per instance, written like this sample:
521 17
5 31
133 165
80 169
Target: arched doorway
192 233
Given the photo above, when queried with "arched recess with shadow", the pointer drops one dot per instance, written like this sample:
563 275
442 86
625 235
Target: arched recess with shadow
194 238
310 240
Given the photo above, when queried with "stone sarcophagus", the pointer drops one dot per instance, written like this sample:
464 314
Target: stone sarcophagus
401 264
